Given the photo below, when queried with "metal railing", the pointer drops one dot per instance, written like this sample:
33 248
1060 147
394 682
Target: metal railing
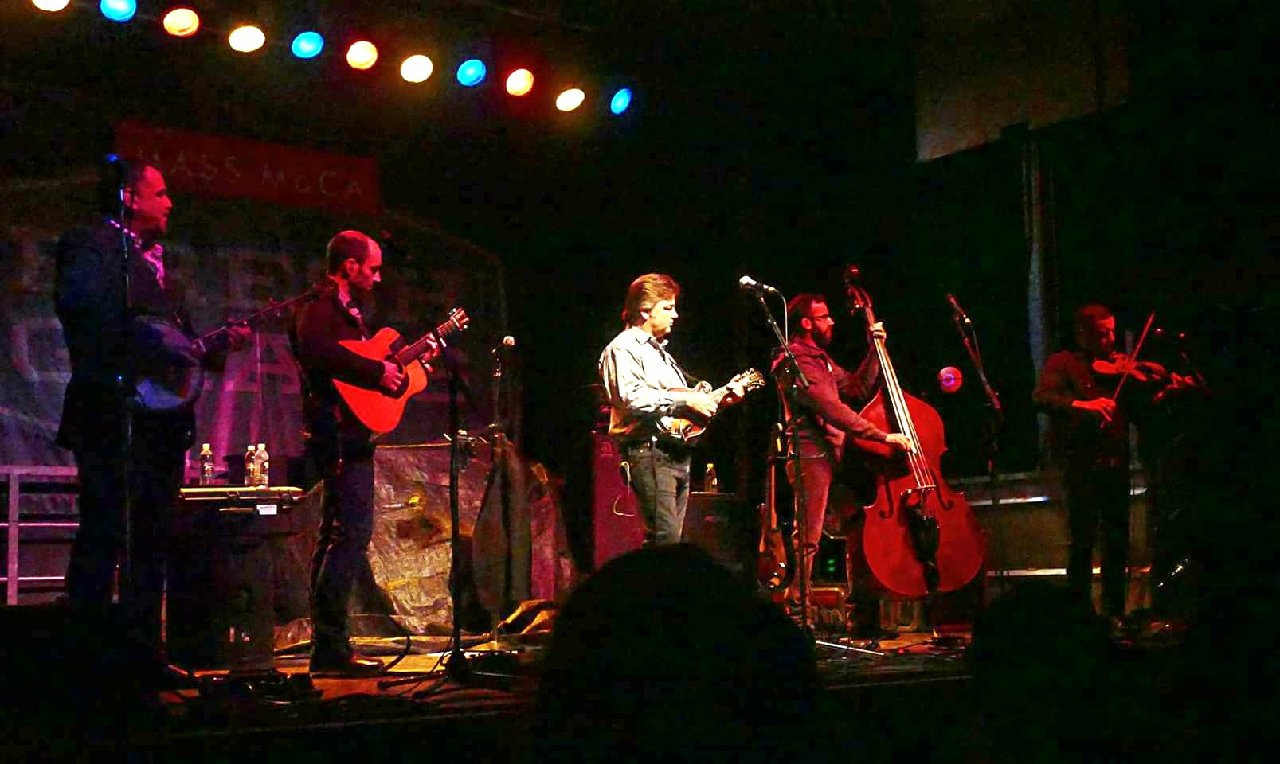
15 476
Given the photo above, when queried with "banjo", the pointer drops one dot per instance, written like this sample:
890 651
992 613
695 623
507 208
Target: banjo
168 363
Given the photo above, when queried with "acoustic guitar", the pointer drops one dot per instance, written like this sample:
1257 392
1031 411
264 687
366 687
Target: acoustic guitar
689 429
379 410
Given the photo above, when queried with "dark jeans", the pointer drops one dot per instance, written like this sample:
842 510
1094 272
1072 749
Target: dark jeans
155 475
660 479
817 488
1098 503
345 531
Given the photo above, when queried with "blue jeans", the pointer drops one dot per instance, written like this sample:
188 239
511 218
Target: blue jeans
660 478
340 552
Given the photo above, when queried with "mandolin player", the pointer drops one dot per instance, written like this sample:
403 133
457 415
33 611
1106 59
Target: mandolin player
116 438
644 384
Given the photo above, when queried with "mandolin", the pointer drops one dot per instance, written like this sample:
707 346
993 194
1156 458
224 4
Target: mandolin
687 429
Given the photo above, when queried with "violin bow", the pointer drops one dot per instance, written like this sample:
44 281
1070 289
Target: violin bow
1133 357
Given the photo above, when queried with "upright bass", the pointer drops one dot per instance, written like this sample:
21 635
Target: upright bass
919 536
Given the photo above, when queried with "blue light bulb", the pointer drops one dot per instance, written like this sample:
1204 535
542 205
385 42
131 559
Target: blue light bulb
620 101
118 10
307 45
471 72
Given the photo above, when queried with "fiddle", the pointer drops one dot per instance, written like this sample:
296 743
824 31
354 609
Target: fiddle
1120 364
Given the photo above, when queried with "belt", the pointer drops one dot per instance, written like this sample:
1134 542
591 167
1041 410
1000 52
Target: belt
665 445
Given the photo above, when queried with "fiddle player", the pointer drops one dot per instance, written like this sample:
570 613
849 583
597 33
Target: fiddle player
1089 441
123 452
643 384
820 423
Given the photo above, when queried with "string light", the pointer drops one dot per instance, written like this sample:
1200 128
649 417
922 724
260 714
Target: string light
570 99
246 39
362 55
181 22
520 82
416 68
185 22
118 10
471 72
621 101
307 45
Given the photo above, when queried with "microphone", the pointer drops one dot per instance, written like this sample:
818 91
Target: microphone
959 311
746 282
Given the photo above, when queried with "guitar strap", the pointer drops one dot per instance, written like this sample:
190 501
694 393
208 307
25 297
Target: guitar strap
671 361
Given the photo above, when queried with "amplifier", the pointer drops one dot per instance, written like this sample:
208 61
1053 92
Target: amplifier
243 499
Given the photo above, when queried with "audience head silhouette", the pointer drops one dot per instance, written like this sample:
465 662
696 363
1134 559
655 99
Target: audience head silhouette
663 654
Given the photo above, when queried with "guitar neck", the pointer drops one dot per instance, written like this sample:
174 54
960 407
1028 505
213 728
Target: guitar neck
425 343
719 394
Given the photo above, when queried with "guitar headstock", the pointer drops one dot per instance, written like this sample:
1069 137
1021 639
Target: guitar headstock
749 380
457 321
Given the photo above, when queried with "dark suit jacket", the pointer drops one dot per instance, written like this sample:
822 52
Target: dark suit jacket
317 329
103 337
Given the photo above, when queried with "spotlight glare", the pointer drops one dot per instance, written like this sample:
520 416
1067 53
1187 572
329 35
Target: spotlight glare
181 22
51 6
570 99
520 82
307 45
118 10
471 72
246 39
416 68
621 101
362 55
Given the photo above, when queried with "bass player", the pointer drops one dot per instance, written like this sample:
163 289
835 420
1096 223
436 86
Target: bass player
819 422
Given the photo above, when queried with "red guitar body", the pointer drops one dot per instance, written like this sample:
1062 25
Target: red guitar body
378 410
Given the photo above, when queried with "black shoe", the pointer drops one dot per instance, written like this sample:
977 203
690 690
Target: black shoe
347 665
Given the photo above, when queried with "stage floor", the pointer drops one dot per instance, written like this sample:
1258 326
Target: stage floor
503 674
910 696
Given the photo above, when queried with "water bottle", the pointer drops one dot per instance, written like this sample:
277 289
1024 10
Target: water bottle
250 466
261 466
711 483
206 464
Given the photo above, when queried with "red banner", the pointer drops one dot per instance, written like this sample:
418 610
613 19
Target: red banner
213 165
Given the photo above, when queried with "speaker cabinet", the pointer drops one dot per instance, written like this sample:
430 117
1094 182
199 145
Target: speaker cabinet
728 528
220 606
616 527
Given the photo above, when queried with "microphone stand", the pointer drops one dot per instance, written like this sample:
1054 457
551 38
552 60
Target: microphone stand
455 667
995 425
123 383
797 381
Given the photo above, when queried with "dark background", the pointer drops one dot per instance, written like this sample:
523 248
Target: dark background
773 139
